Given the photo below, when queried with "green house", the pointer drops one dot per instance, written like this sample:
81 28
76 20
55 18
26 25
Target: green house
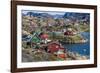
35 38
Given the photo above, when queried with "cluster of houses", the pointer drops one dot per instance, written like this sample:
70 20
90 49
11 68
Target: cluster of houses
70 32
41 41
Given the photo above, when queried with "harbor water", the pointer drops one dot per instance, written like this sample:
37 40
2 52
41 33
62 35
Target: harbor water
81 48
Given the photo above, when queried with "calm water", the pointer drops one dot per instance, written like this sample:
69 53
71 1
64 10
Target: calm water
82 48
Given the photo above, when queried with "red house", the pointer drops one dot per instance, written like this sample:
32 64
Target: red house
54 47
44 36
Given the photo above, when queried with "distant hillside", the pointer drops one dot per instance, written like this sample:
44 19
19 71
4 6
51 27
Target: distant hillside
39 14
79 16
69 15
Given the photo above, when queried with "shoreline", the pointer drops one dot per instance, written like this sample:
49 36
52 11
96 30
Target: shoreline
31 55
75 42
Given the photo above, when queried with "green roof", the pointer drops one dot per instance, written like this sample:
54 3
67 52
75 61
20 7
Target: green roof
36 39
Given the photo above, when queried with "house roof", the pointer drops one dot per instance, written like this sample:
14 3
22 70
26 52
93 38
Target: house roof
54 47
44 36
35 38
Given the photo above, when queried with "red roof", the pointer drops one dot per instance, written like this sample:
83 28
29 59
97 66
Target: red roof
68 33
54 47
44 36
